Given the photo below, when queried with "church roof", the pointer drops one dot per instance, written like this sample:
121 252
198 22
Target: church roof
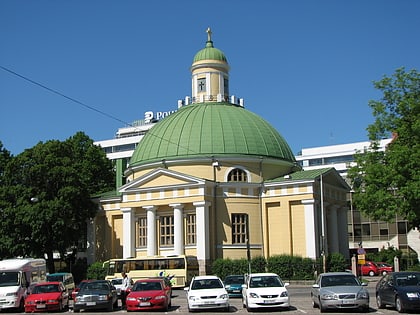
211 129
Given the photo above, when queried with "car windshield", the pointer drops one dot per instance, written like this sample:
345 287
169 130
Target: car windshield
9 278
339 280
408 280
95 286
116 281
265 281
206 284
147 286
48 288
234 280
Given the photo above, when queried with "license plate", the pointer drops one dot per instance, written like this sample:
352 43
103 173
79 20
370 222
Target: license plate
236 291
144 304
90 303
348 301
40 306
269 301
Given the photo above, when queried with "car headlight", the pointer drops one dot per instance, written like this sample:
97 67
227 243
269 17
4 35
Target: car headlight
52 301
30 302
413 295
254 295
284 294
160 297
12 294
192 298
103 297
223 296
130 298
328 296
363 295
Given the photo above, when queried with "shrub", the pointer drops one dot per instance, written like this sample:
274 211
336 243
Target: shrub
336 262
96 271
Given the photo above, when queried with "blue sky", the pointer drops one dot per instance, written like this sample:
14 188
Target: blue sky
306 67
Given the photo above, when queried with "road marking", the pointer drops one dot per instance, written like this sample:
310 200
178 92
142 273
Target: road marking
302 311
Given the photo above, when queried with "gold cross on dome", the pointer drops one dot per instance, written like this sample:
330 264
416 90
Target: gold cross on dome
208 34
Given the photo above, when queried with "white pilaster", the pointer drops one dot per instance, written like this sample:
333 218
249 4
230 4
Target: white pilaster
178 228
311 237
151 230
128 232
203 226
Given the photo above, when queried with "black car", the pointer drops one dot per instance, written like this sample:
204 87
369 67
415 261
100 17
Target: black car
97 294
400 290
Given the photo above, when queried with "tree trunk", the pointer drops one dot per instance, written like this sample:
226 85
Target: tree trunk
50 262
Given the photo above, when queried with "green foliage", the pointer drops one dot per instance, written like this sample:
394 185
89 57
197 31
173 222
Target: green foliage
258 264
45 195
387 183
385 255
281 265
96 271
336 262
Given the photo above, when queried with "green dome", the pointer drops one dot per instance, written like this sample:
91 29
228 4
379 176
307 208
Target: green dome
210 53
211 129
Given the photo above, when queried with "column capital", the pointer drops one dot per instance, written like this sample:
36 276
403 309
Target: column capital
308 201
176 205
126 210
149 208
203 203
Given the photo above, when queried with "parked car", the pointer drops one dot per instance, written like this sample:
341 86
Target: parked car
369 268
233 285
339 290
400 290
262 290
65 277
96 294
207 292
118 283
77 288
167 281
384 268
47 297
149 294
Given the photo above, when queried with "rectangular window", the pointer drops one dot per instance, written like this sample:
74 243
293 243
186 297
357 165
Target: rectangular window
201 85
142 230
239 228
191 238
167 230
402 227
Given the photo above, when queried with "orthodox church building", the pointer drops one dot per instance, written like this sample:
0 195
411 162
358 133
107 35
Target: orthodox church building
214 180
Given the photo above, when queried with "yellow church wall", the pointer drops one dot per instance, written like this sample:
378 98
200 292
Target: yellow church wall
298 229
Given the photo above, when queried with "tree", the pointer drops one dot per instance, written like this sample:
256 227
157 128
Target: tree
387 183
48 191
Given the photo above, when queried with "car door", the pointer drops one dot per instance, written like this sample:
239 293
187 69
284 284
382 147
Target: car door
387 290
315 290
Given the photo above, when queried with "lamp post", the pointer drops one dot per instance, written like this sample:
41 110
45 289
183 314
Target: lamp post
324 258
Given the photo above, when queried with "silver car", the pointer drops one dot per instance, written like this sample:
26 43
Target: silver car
339 290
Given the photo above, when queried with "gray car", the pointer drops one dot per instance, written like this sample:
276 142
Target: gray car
339 290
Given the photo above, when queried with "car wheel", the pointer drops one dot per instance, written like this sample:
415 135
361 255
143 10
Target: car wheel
379 302
76 310
314 304
371 273
384 272
398 305
110 307
322 308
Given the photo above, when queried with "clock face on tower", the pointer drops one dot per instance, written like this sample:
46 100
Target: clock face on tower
201 85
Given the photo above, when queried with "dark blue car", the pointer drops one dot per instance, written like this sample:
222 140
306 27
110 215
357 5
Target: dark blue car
233 285
400 290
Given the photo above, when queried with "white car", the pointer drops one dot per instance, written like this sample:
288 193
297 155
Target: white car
264 290
207 292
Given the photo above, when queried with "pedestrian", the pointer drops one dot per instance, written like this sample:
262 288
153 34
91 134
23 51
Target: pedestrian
126 285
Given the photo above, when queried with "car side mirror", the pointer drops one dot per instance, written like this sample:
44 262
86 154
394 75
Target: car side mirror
364 284
315 286
286 284
186 288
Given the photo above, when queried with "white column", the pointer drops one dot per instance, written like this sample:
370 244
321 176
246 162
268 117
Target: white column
128 232
332 225
203 226
311 236
178 228
151 230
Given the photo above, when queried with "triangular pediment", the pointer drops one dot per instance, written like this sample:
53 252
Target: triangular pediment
162 178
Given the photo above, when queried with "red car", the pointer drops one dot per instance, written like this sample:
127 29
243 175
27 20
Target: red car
46 297
384 267
369 269
149 294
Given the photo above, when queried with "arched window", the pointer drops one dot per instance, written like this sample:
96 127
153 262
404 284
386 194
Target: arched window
237 175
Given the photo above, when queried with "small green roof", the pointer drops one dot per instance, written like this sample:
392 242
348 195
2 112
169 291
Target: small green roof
209 52
211 129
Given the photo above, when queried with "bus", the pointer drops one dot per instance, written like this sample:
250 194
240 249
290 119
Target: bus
179 269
